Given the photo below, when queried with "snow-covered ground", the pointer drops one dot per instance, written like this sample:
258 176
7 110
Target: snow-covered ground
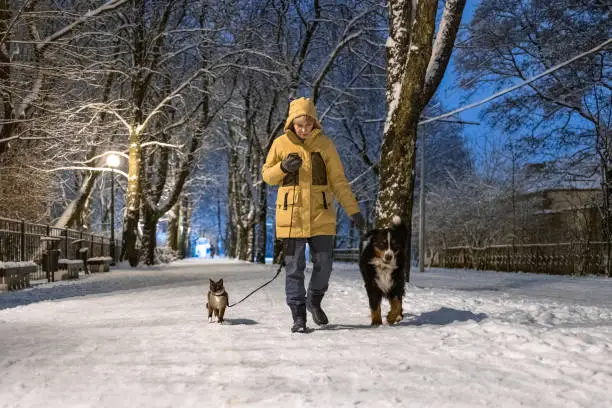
140 338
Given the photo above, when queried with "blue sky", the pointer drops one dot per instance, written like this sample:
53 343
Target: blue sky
453 97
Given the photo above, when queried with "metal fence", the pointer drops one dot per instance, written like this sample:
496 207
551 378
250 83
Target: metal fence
571 258
21 241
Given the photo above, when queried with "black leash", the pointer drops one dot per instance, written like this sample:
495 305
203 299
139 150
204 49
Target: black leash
282 258
280 267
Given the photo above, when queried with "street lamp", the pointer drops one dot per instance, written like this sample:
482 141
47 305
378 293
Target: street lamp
112 161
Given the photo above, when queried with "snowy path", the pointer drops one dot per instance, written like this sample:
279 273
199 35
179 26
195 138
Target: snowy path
470 339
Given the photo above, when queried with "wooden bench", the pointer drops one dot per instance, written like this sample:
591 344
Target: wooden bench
16 275
82 252
99 264
70 268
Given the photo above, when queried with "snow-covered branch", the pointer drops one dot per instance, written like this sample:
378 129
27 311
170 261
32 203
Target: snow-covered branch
332 57
104 107
519 85
102 169
43 44
169 145
174 94
106 153
442 47
108 6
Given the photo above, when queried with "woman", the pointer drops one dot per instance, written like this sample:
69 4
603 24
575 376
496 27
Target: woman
306 165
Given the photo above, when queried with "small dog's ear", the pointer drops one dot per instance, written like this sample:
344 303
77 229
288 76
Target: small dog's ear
211 281
220 281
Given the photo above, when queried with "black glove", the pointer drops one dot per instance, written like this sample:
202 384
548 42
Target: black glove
358 220
291 163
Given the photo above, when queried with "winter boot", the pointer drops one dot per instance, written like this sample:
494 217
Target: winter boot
298 312
314 307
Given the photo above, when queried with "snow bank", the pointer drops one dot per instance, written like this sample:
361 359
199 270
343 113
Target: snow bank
6 265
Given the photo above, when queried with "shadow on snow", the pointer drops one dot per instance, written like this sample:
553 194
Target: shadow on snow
444 316
440 317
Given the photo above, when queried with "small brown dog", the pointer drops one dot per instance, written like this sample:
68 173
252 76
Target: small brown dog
217 300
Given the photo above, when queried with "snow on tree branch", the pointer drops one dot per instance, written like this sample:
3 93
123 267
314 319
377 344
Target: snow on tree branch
108 6
443 46
102 169
169 145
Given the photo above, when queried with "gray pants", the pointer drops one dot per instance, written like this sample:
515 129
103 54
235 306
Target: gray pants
321 247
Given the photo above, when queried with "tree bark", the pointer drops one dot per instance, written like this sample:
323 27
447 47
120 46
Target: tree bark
409 56
242 241
184 226
132 201
220 240
399 140
231 229
73 214
443 47
173 227
149 235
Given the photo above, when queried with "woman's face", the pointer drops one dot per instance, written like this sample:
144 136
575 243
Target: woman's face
303 126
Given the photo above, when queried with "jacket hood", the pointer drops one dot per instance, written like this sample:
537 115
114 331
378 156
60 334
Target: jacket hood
300 107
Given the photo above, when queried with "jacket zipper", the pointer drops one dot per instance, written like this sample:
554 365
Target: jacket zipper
324 200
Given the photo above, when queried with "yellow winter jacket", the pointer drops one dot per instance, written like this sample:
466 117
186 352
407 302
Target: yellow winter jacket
305 204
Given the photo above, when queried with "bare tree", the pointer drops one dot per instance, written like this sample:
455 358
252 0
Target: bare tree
566 114
302 57
46 64
29 36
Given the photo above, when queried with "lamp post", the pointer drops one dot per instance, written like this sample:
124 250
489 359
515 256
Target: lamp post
112 161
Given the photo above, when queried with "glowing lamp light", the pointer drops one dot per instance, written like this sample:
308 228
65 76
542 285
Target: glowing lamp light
112 160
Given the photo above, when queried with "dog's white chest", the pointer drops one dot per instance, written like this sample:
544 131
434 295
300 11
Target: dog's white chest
383 275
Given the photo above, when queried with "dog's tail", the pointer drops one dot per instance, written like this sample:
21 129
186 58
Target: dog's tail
398 223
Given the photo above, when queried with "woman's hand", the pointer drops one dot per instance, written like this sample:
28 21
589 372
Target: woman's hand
291 163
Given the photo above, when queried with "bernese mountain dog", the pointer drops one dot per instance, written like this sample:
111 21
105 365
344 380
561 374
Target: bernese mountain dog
382 268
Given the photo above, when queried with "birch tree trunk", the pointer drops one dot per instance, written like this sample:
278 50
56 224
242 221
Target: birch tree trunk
413 75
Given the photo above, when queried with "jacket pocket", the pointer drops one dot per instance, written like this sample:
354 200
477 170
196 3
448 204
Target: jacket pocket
322 200
322 208
288 206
